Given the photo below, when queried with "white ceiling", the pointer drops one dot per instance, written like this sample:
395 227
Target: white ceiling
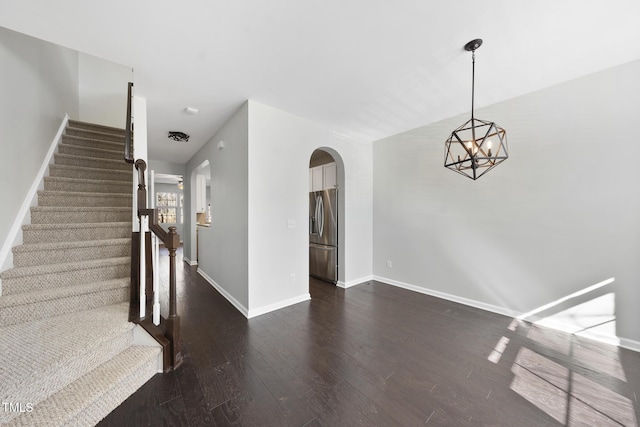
366 68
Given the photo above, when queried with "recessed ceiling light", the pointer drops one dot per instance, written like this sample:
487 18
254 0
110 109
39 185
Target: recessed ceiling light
191 110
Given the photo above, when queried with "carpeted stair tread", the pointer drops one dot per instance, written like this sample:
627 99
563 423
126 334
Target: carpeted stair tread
82 193
93 396
34 305
57 268
72 232
91 152
79 214
91 162
59 252
83 172
83 199
69 209
40 358
93 134
74 225
96 143
38 277
92 181
62 292
85 244
57 183
77 124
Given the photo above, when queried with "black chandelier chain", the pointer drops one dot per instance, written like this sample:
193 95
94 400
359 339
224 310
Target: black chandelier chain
473 80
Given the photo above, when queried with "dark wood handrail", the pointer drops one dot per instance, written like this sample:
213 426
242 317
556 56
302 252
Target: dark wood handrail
128 138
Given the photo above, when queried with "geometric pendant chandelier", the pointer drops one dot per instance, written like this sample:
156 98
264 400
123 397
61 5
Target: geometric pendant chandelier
477 146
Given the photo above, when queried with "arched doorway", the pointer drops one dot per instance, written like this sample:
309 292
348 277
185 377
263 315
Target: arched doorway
326 216
200 206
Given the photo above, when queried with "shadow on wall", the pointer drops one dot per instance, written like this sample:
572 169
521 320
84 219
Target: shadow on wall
573 380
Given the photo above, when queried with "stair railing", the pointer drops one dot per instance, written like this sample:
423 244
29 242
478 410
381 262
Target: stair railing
128 137
145 293
146 289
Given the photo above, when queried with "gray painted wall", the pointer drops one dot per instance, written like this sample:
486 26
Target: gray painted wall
161 166
103 91
560 215
223 247
39 85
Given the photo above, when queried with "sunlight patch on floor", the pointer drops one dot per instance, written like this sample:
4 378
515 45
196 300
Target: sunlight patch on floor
566 396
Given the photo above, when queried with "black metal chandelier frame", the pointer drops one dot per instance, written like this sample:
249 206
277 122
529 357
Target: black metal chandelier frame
178 136
476 146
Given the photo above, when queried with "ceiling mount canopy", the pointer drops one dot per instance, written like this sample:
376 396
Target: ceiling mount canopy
476 146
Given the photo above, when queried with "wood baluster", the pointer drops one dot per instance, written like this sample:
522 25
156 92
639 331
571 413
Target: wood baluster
134 296
149 276
173 321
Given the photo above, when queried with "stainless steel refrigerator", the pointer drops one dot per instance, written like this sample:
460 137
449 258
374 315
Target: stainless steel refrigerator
323 235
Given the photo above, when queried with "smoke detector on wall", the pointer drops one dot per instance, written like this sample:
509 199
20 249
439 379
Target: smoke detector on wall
178 136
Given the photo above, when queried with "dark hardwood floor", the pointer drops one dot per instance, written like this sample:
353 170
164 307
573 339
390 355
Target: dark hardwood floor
379 355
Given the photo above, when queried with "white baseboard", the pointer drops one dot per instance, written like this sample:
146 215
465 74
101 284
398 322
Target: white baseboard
188 261
354 282
241 308
277 306
14 237
629 344
607 339
258 311
466 301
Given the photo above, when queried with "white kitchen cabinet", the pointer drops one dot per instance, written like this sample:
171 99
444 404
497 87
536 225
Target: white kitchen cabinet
322 177
329 177
201 194
316 178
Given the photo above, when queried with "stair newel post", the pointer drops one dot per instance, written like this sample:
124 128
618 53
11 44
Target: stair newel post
173 321
141 167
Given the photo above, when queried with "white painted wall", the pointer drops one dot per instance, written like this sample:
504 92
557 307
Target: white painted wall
39 85
560 215
223 247
280 146
103 91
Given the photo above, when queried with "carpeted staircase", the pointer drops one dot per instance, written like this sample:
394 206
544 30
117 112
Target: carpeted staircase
66 348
